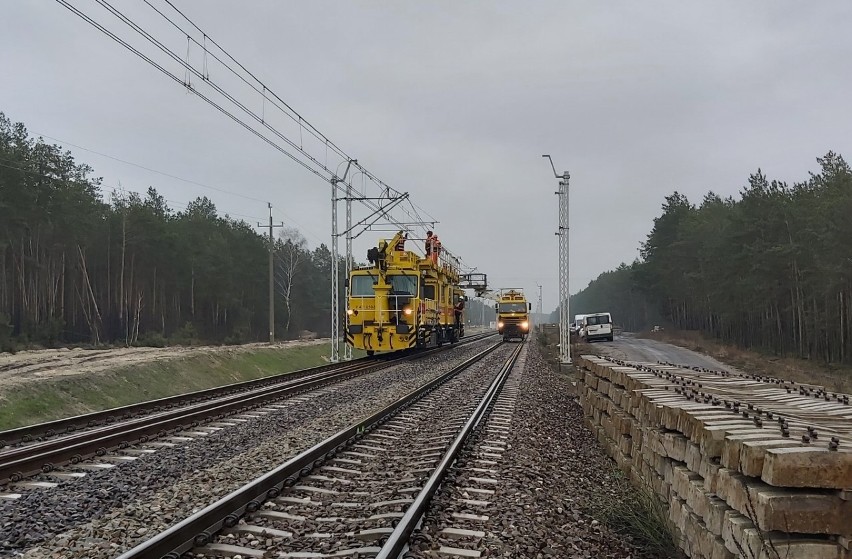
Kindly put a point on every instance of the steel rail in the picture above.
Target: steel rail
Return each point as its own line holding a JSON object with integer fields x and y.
{"x": 199, "y": 529}
{"x": 30, "y": 433}
{"x": 19, "y": 463}
{"x": 397, "y": 542}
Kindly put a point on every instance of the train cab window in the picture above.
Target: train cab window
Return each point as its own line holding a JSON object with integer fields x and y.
{"x": 429, "y": 292}
{"x": 403, "y": 285}
{"x": 361, "y": 286}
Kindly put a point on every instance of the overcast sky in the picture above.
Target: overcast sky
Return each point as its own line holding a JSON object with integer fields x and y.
{"x": 455, "y": 103}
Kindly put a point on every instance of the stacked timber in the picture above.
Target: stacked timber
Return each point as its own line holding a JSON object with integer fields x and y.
{"x": 749, "y": 466}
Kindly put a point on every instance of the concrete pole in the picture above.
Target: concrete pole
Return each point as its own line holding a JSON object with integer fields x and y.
{"x": 271, "y": 275}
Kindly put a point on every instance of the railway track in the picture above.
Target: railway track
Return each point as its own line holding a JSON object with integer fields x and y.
{"x": 458, "y": 525}
{"x": 362, "y": 491}
{"x": 40, "y": 449}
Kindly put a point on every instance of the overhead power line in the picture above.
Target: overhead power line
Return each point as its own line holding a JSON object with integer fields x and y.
{"x": 257, "y": 123}
{"x": 265, "y": 92}
{"x": 262, "y": 89}
{"x": 149, "y": 169}
{"x": 313, "y": 164}
{"x": 176, "y": 204}
{"x": 185, "y": 84}
{"x": 188, "y": 181}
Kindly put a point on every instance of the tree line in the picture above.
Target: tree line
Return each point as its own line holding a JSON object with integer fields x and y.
{"x": 770, "y": 269}
{"x": 618, "y": 293}
{"x": 79, "y": 267}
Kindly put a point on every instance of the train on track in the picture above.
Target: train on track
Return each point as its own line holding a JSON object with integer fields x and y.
{"x": 513, "y": 319}
{"x": 401, "y": 300}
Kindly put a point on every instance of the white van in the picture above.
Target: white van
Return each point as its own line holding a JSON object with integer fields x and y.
{"x": 596, "y": 326}
{"x": 578, "y": 322}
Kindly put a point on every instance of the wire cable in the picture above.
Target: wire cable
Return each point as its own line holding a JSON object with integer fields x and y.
{"x": 313, "y": 165}
{"x": 115, "y": 189}
{"x": 180, "y": 81}
{"x": 290, "y": 112}
{"x": 188, "y": 181}
{"x": 143, "y": 167}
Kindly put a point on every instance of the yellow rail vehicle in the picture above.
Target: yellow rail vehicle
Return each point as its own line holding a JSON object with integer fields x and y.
{"x": 402, "y": 301}
{"x": 513, "y": 319}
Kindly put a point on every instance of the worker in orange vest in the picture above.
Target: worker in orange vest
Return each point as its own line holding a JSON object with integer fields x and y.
{"x": 459, "y": 309}
{"x": 436, "y": 249}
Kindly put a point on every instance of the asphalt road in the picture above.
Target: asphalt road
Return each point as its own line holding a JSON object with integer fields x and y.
{"x": 630, "y": 348}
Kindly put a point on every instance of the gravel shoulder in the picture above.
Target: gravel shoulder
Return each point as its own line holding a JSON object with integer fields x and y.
{"x": 551, "y": 476}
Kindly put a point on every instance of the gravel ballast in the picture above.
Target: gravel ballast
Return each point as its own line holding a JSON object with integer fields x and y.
{"x": 550, "y": 476}
{"x": 112, "y": 510}
{"x": 349, "y": 504}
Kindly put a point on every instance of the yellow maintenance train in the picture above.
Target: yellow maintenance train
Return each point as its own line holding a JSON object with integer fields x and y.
{"x": 402, "y": 300}
{"x": 513, "y": 319}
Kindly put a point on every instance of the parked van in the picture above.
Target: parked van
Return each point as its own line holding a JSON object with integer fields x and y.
{"x": 596, "y": 326}
{"x": 574, "y": 328}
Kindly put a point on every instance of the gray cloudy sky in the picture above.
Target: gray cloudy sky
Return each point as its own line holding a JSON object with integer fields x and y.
{"x": 455, "y": 103}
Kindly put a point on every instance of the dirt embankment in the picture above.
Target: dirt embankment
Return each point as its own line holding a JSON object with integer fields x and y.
{"x": 51, "y": 364}
{"x": 51, "y": 385}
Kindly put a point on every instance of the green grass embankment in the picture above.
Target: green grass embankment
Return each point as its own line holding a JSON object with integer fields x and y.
{"x": 48, "y": 399}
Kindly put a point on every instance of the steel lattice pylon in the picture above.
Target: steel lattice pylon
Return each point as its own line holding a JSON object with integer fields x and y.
{"x": 347, "y": 349}
{"x": 564, "y": 291}
{"x": 539, "y": 321}
{"x": 335, "y": 275}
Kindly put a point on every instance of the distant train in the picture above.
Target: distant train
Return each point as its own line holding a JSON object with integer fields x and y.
{"x": 402, "y": 301}
{"x": 513, "y": 319}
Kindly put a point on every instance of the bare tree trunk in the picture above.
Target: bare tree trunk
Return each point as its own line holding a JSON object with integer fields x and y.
{"x": 22, "y": 281}
{"x": 137, "y": 317}
{"x": 154, "y": 297}
{"x": 130, "y": 288}
{"x": 121, "y": 322}
{"x": 289, "y": 265}
{"x": 842, "y": 326}
{"x": 192, "y": 293}
{"x": 62, "y": 290}
{"x": 4, "y": 283}
{"x": 109, "y": 269}
{"x": 95, "y": 320}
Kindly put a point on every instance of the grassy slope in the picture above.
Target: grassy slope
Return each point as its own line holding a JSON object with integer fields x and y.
{"x": 66, "y": 396}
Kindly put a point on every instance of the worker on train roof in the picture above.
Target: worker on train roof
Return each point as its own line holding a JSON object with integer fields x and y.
{"x": 436, "y": 248}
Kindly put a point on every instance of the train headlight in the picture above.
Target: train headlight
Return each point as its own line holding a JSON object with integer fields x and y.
{"x": 407, "y": 311}
{"x": 500, "y": 324}
{"x": 525, "y": 325}
{"x": 350, "y": 312}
